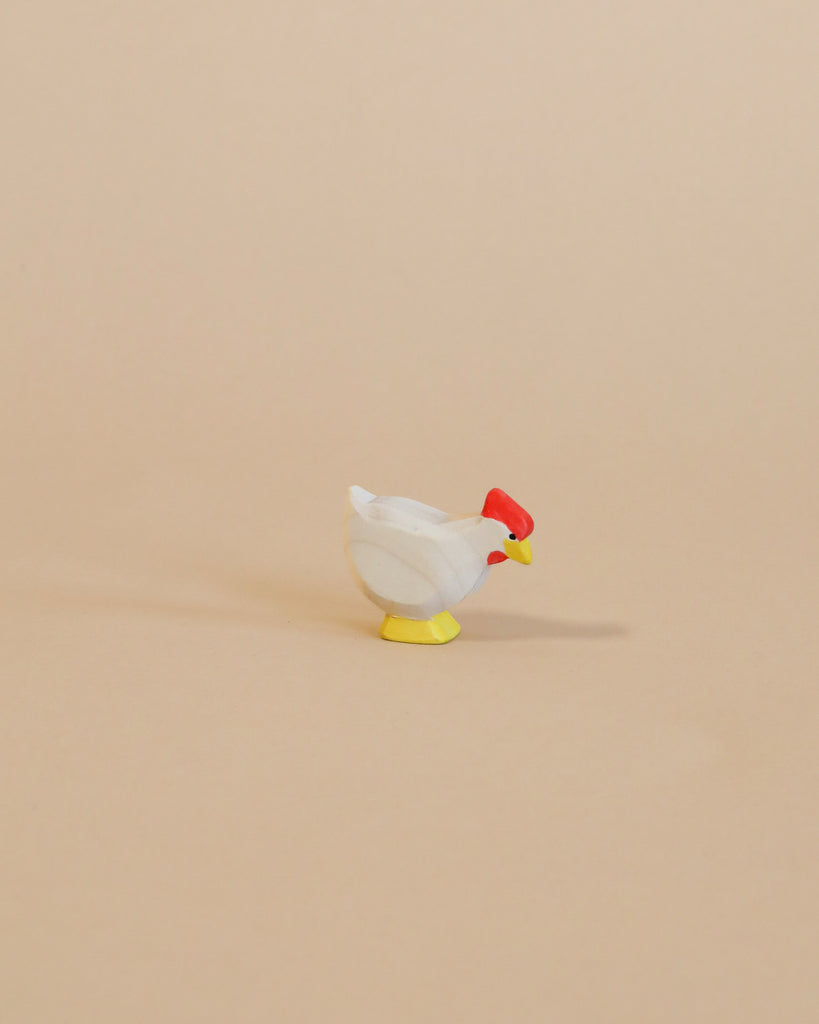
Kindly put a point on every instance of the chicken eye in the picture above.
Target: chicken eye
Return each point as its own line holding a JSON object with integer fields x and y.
{"x": 512, "y": 536}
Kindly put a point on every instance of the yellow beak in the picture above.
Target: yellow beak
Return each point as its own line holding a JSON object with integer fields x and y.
{"x": 520, "y": 550}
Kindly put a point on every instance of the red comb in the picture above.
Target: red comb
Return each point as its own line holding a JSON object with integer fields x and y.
{"x": 500, "y": 506}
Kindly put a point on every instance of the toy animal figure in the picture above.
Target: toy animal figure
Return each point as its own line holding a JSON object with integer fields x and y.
{"x": 415, "y": 561}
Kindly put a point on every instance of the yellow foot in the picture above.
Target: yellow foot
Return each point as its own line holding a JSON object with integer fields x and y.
{"x": 440, "y": 629}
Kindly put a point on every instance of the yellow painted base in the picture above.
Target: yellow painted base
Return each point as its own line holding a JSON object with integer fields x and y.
{"x": 440, "y": 629}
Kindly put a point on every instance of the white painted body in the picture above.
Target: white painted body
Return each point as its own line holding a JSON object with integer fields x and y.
{"x": 413, "y": 560}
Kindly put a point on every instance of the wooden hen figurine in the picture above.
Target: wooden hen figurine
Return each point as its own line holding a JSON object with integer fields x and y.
{"x": 415, "y": 561}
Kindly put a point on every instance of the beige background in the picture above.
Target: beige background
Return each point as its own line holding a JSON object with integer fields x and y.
{"x": 253, "y": 253}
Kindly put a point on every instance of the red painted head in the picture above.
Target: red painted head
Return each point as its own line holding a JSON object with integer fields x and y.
{"x": 500, "y": 506}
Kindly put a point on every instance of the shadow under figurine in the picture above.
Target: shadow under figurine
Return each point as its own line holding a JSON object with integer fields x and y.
{"x": 415, "y": 561}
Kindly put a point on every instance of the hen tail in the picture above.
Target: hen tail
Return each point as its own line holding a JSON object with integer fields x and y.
{"x": 359, "y": 497}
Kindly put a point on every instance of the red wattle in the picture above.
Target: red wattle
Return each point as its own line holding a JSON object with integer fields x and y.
{"x": 495, "y": 557}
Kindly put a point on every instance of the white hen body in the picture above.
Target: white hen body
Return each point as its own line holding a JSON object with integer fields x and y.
{"x": 413, "y": 560}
